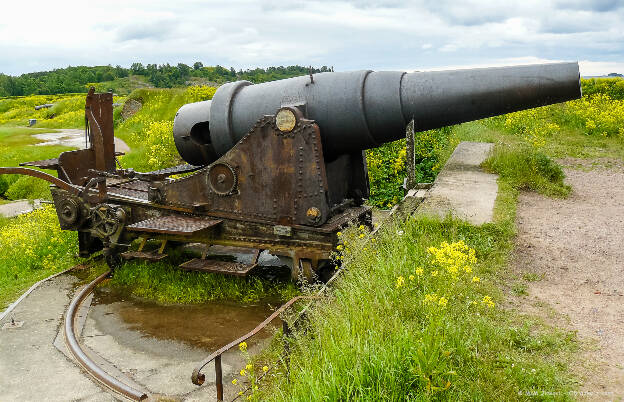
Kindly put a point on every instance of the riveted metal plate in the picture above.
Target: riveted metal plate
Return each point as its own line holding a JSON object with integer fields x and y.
{"x": 175, "y": 225}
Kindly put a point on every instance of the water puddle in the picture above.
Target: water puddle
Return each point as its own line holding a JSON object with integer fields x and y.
{"x": 74, "y": 138}
{"x": 208, "y": 326}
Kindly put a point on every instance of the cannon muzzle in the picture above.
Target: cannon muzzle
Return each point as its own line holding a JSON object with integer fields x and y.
{"x": 364, "y": 109}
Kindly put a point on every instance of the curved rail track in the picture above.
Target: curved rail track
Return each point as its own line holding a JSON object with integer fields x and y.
{"x": 81, "y": 357}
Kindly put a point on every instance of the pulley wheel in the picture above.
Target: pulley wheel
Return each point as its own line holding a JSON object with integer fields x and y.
{"x": 68, "y": 211}
{"x": 222, "y": 178}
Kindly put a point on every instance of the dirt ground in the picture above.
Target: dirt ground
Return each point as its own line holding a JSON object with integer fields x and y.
{"x": 575, "y": 248}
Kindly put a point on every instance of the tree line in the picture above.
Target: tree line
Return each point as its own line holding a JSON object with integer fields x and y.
{"x": 76, "y": 79}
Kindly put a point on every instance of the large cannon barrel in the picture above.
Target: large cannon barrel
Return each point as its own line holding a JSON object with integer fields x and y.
{"x": 364, "y": 109}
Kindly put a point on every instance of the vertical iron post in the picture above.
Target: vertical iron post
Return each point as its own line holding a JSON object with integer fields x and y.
{"x": 219, "y": 378}
{"x": 409, "y": 156}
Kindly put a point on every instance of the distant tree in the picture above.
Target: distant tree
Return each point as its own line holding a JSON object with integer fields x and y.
{"x": 198, "y": 65}
{"x": 137, "y": 68}
{"x": 185, "y": 70}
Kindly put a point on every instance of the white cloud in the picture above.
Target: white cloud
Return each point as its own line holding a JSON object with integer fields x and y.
{"x": 357, "y": 34}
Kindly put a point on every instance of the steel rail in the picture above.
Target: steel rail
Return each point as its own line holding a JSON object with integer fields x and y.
{"x": 76, "y": 350}
{"x": 198, "y": 378}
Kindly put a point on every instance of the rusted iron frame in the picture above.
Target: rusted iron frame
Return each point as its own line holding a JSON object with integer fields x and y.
{"x": 76, "y": 350}
{"x": 41, "y": 175}
{"x": 198, "y": 378}
{"x": 98, "y": 145}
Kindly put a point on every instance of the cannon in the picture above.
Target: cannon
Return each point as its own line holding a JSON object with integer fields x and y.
{"x": 277, "y": 166}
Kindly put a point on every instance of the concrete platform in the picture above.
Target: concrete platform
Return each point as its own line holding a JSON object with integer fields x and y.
{"x": 15, "y": 208}
{"x": 35, "y": 364}
{"x": 31, "y": 368}
{"x": 462, "y": 188}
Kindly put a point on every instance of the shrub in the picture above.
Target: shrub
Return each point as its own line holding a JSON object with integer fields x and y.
{"x": 527, "y": 169}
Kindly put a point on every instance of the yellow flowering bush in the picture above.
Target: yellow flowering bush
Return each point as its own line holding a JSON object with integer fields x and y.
{"x": 599, "y": 114}
{"x": 35, "y": 241}
{"x": 450, "y": 270}
{"x": 532, "y": 125}
{"x": 199, "y": 93}
{"x": 161, "y": 151}
{"x": 387, "y": 165}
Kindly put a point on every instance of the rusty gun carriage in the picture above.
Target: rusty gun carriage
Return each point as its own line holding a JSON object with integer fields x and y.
{"x": 278, "y": 166}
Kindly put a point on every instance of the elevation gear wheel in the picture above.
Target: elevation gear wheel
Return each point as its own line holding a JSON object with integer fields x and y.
{"x": 106, "y": 219}
{"x": 222, "y": 178}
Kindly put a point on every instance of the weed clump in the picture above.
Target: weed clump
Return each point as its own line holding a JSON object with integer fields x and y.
{"x": 164, "y": 283}
{"x": 527, "y": 169}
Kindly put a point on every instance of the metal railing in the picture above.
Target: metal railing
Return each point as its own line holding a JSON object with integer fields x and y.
{"x": 198, "y": 378}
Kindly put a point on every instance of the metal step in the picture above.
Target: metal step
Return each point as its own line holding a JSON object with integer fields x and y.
{"x": 216, "y": 266}
{"x": 143, "y": 255}
{"x": 174, "y": 225}
{"x": 50, "y": 164}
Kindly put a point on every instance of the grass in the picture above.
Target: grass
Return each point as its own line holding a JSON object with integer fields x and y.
{"x": 67, "y": 112}
{"x": 528, "y": 170}
{"x": 149, "y": 132}
{"x": 378, "y": 338}
{"x": 17, "y": 145}
{"x": 165, "y": 283}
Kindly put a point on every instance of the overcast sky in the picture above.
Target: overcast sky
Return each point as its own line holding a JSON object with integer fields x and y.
{"x": 349, "y": 35}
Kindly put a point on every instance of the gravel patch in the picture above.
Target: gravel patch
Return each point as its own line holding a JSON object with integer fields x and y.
{"x": 575, "y": 244}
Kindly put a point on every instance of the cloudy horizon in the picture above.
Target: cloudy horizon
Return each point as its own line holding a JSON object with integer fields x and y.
{"x": 348, "y": 35}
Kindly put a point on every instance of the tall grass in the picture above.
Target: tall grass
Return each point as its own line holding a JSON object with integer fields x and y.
{"x": 165, "y": 283}
{"x": 416, "y": 318}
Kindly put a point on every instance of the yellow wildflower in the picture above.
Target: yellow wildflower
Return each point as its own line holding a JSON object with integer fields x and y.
{"x": 234, "y": 381}
{"x": 361, "y": 235}
{"x": 249, "y": 366}
{"x": 487, "y": 300}
{"x": 339, "y": 247}
{"x": 411, "y": 277}
{"x": 339, "y": 234}
{"x": 265, "y": 368}
{"x": 443, "y": 301}
{"x": 431, "y": 298}
{"x": 400, "y": 282}
{"x": 419, "y": 271}
{"x": 243, "y": 372}
{"x": 434, "y": 273}
{"x": 361, "y": 227}
{"x": 475, "y": 279}
{"x": 242, "y": 346}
